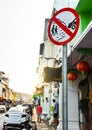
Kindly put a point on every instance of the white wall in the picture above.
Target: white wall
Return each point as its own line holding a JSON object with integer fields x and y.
{"x": 58, "y": 4}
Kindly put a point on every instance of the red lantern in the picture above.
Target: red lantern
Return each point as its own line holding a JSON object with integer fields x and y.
{"x": 83, "y": 67}
{"x": 72, "y": 76}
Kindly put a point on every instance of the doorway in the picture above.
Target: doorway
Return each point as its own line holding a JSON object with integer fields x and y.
{"x": 85, "y": 96}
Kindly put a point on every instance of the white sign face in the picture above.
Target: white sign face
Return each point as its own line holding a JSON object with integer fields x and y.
{"x": 63, "y": 26}
{"x": 60, "y": 34}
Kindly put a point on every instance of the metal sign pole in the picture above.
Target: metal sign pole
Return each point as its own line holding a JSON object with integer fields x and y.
{"x": 64, "y": 89}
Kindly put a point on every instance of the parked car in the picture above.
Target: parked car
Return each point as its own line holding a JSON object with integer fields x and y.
{"x": 30, "y": 108}
{"x": 2, "y": 108}
{"x": 15, "y": 118}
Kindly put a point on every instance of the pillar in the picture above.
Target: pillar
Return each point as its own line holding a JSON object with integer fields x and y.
{"x": 73, "y": 110}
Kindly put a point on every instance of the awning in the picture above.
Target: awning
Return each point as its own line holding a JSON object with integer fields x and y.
{"x": 52, "y": 74}
{"x": 83, "y": 48}
{"x": 84, "y": 6}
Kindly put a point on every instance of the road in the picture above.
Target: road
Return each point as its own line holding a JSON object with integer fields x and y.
{"x": 1, "y": 120}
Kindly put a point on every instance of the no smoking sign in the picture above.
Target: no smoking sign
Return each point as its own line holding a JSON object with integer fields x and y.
{"x": 63, "y": 26}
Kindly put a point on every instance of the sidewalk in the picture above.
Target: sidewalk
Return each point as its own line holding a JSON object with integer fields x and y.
{"x": 44, "y": 123}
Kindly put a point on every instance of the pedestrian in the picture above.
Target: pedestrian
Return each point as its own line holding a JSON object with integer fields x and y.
{"x": 39, "y": 112}
{"x": 56, "y": 111}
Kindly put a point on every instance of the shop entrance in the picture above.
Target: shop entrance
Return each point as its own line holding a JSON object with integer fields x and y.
{"x": 85, "y": 104}
{"x": 90, "y": 102}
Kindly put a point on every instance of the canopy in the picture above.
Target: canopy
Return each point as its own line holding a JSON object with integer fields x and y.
{"x": 84, "y": 6}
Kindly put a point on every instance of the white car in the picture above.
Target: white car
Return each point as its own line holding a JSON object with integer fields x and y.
{"x": 15, "y": 118}
{"x": 2, "y": 108}
{"x": 24, "y": 109}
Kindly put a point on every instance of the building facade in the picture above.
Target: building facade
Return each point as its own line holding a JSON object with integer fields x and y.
{"x": 79, "y": 49}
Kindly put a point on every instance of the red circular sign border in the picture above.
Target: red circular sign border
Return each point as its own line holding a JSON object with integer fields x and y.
{"x": 77, "y": 26}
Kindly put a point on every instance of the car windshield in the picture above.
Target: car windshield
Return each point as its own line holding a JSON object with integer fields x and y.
{"x": 14, "y": 111}
{"x": 26, "y": 105}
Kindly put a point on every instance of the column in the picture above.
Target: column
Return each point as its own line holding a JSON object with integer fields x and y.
{"x": 73, "y": 111}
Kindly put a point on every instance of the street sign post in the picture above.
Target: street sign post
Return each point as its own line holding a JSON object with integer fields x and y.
{"x": 62, "y": 29}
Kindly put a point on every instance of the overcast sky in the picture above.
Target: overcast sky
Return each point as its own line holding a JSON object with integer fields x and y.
{"x": 21, "y": 32}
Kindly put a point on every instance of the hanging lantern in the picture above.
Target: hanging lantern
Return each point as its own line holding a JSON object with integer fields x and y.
{"x": 83, "y": 67}
{"x": 72, "y": 76}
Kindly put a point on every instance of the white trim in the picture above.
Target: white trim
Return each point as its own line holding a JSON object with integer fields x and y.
{"x": 88, "y": 28}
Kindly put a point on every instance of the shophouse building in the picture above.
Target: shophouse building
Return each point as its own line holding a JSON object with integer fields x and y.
{"x": 79, "y": 51}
